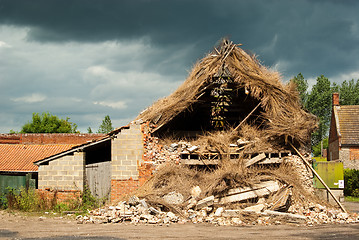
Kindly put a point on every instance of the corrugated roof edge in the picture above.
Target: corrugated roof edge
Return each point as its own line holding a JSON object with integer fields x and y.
{"x": 82, "y": 146}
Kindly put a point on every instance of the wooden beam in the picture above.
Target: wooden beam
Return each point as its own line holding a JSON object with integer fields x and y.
{"x": 319, "y": 178}
{"x": 247, "y": 117}
{"x": 254, "y": 160}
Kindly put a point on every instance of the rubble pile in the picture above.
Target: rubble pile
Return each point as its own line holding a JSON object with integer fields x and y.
{"x": 235, "y": 192}
{"x": 137, "y": 211}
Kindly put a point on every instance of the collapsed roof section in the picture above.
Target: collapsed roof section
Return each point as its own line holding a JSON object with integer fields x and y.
{"x": 226, "y": 88}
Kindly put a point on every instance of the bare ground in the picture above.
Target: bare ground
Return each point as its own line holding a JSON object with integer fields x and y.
{"x": 14, "y": 226}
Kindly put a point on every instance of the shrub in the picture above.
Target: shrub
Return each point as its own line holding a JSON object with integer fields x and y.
{"x": 351, "y": 181}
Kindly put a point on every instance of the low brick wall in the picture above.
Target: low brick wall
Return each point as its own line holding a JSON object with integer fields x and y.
{"x": 59, "y": 196}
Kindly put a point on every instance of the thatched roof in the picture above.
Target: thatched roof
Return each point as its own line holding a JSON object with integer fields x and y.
{"x": 281, "y": 110}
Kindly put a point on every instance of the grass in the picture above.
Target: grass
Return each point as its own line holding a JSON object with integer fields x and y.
{"x": 351, "y": 199}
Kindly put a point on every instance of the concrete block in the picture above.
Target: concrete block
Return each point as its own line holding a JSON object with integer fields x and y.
{"x": 126, "y": 173}
{"x": 47, "y": 177}
{"x": 126, "y": 163}
{"x": 58, "y": 168}
{"x": 67, "y": 168}
{"x": 65, "y": 162}
{"x": 54, "y": 163}
{"x": 121, "y": 168}
{"x": 131, "y": 168}
{"x": 52, "y": 183}
{"x": 58, "y": 178}
{"x": 53, "y": 173}
{"x": 122, "y": 157}
{"x": 67, "y": 178}
{"x": 78, "y": 168}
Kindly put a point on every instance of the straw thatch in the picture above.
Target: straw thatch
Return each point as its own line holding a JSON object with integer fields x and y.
{"x": 281, "y": 110}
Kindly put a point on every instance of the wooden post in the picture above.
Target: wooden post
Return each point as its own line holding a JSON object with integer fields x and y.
{"x": 319, "y": 178}
{"x": 247, "y": 117}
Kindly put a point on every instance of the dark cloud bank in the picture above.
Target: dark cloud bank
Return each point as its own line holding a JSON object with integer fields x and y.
{"x": 312, "y": 37}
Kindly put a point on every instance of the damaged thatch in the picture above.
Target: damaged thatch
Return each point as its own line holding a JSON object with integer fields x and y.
{"x": 280, "y": 114}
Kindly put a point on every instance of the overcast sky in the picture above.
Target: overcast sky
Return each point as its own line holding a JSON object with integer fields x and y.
{"x": 85, "y": 59}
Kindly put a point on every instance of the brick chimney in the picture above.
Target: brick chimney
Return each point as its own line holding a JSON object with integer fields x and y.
{"x": 335, "y": 101}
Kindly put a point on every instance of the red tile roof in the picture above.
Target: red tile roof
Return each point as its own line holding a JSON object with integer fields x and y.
{"x": 20, "y": 157}
{"x": 348, "y": 129}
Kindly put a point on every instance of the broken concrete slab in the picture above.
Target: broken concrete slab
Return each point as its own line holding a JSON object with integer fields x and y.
{"x": 282, "y": 214}
{"x": 241, "y": 194}
{"x": 256, "y": 208}
{"x": 206, "y": 202}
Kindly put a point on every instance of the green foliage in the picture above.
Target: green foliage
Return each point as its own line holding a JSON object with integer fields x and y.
{"x": 29, "y": 200}
{"x": 48, "y": 123}
{"x": 89, "y": 130}
{"x": 22, "y": 199}
{"x": 351, "y": 182}
{"x": 349, "y": 92}
{"x": 302, "y": 87}
{"x": 106, "y": 125}
{"x": 317, "y": 149}
{"x": 351, "y": 199}
{"x": 320, "y": 104}
{"x": 89, "y": 201}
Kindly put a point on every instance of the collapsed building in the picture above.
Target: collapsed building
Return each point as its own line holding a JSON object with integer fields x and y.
{"x": 225, "y": 138}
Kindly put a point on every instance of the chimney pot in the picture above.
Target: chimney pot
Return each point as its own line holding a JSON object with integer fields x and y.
{"x": 335, "y": 99}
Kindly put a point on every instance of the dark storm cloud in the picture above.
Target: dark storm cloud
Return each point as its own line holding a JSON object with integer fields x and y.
{"x": 89, "y": 58}
{"x": 313, "y": 36}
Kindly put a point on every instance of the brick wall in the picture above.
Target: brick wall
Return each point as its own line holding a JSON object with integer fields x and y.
{"x": 65, "y": 173}
{"x": 130, "y": 169}
{"x": 49, "y": 138}
{"x": 120, "y": 188}
{"x": 333, "y": 150}
{"x": 59, "y": 196}
{"x": 349, "y": 157}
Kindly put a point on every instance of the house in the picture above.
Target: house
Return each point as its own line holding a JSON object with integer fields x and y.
{"x": 228, "y": 93}
{"x": 18, "y": 152}
{"x": 344, "y": 134}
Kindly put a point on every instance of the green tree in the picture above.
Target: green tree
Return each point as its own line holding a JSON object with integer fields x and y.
{"x": 349, "y": 92}
{"x": 106, "y": 125}
{"x": 320, "y": 103}
{"x": 302, "y": 87}
{"x": 89, "y": 130}
{"x": 48, "y": 123}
